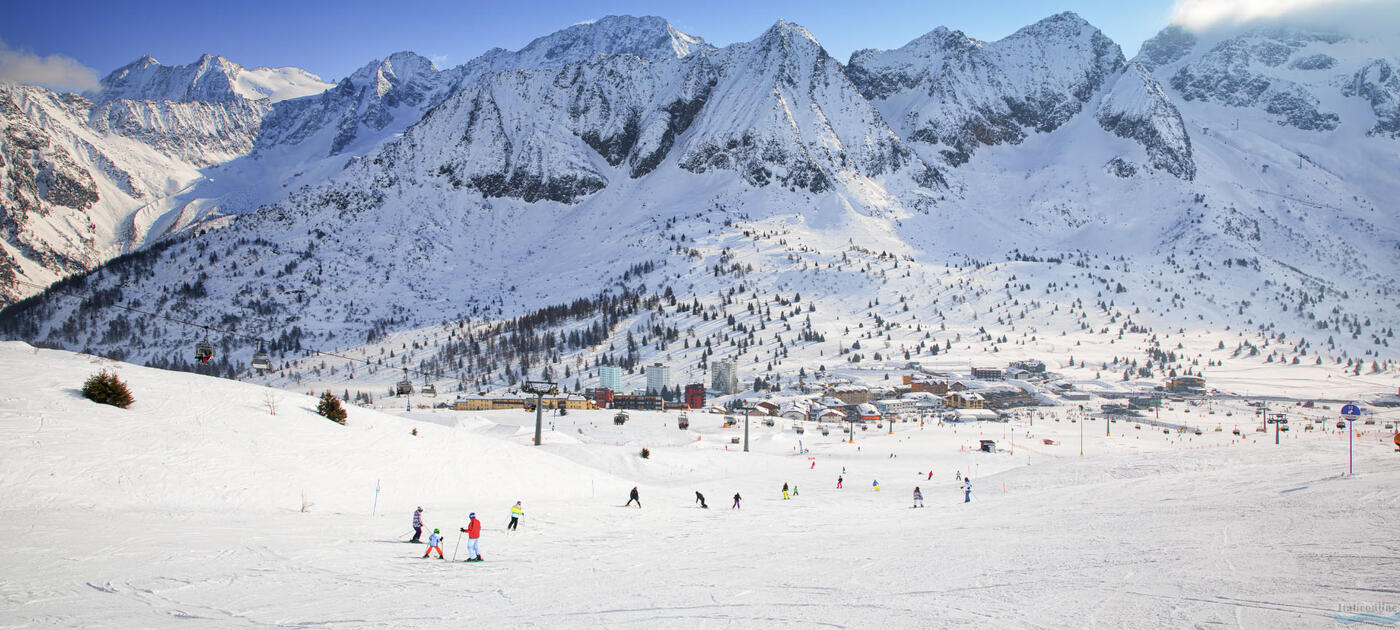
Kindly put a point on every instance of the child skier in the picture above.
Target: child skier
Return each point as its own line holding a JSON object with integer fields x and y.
{"x": 515, "y": 513}
{"x": 700, "y": 498}
{"x": 473, "y": 532}
{"x": 876, "y": 485}
{"x": 785, "y": 491}
{"x": 737, "y": 498}
{"x": 967, "y": 489}
{"x": 918, "y": 498}
{"x": 435, "y": 542}
{"x": 417, "y": 525}
{"x": 634, "y": 497}
{"x": 839, "y": 479}
{"x": 794, "y": 489}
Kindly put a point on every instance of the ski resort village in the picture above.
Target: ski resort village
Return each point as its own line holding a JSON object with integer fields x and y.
{"x": 609, "y": 324}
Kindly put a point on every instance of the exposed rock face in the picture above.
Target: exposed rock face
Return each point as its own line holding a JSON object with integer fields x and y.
{"x": 1242, "y": 72}
{"x": 1138, "y": 108}
{"x": 956, "y": 93}
{"x": 1379, "y": 83}
{"x": 44, "y": 184}
{"x": 777, "y": 110}
{"x": 201, "y": 133}
{"x": 1167, "y": 47}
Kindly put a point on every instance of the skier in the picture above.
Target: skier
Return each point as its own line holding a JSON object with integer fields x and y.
{"x": 839, "y": 479}
{"x": 700, "y": 498}
{"x": 473, "y": 531}
{"x": 876, "y": 484}
{"x": 918, "y": 497}
{"x": 737, "y": 498}
{"x": 958, "y": 476}
{"x": 417, "y": 525}
{"x": 634, "y": 497}
{"x": 967, "y": 489}
{"x": 435, "y": 542}
{"x": 515, "y": 513}
{"x": 794, "y": 489}
{"x": 930, "y": 474}
{"x": 785, "y": 491}
{"x": 814, "y": 465}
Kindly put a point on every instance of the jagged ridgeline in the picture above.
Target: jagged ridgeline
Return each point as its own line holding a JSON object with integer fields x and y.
{"x": 623, "y": 154}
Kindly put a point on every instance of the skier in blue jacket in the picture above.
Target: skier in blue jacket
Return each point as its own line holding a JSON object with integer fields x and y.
{"x": 435, "y": 542}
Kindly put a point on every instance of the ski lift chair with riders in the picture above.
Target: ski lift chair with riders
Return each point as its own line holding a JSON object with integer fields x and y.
{"x": 204, "y": 351}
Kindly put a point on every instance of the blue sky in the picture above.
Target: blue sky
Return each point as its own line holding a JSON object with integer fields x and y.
{"x": 333, "y": 39}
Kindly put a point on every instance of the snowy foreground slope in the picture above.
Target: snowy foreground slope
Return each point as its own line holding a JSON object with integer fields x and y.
{"x": 188, "y": 508}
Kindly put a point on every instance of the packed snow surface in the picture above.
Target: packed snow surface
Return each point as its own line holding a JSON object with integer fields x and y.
{"x": 199, "y": 504}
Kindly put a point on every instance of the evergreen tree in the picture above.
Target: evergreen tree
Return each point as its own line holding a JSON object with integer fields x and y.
{"x": 330, "y": 408}
{"x": 105, "y": 388}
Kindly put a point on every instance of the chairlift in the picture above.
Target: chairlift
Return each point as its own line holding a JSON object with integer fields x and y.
{"x": 404, "y": 387}
{"x": 430, "y": 390}
{"x": 620, "y": 418}
{"x": 203, "y": 351}
{"x": 260, "y": 360}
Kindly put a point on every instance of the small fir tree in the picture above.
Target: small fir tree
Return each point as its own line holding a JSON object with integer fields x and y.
{"x": 105, "y": 388}
{"x": 330, "y": 407}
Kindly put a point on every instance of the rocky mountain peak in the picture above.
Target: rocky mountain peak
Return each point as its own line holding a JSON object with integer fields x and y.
{"x": 210, "y": 78}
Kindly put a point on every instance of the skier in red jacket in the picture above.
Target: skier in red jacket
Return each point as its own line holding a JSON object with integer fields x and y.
{"x": 473, "y": 531}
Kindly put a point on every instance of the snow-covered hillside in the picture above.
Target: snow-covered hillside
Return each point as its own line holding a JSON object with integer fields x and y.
{"x": 200, "y": 502}
{"x": 677, "y": 206}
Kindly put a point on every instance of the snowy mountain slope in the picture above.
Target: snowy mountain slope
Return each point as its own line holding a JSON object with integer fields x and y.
{"x": 757, "y": 170}
{"x": 307, "y": 141}
{"x": 211, "y": 78}
{"x": 201, "y": 502}
{"x": 213, "y": 111}
{"x": 71, "y": 192}
{"x": 1136, "y": 107}
{"x": 776, "y": 110}
{"x": 950, "y": 94}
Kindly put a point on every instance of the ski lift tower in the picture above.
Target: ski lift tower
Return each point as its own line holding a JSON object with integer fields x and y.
{"x": 539, "y": 389}
{"x": 746, "y": 408}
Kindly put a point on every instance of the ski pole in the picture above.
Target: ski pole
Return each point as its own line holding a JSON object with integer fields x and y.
{"x": 454, "y": 548}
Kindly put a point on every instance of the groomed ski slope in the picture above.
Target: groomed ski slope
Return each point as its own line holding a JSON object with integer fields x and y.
{"x": 185, "y": 511}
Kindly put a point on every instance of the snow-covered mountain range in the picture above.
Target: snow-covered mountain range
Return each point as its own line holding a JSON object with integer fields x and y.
{"x": 1230, "y": 179}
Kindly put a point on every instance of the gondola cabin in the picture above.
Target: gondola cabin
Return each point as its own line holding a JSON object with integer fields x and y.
{"x": 261, "y": 362}
{"x": 203, "y": 351}
{"x": 404, "y": 388}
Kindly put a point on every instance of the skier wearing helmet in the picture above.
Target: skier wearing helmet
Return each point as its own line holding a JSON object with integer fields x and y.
{"x": 473, "y": 531}
{"x": 435, "y": 542}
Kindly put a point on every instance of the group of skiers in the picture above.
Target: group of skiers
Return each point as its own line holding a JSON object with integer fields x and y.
{"x": 472, "y": 530}
{"x": 517, "y": 511}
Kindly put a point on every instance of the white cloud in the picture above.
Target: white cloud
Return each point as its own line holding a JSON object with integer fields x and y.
{"x": 52, "y": 71}
{"x": 1203, "y": 14}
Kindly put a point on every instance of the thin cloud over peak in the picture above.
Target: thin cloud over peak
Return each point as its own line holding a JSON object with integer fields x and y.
{"x": 57, "y": 72}
{"x": 1201, "y": 15}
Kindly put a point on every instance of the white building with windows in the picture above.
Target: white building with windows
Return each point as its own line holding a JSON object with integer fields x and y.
{"x": 724, "y": 377}
{"x": 610, "y": 376}
{"x": 658, "y": 378}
